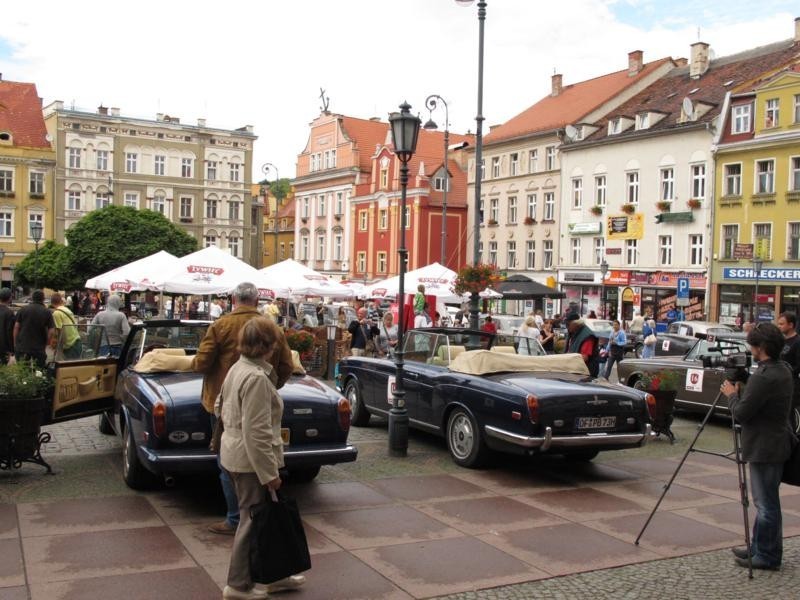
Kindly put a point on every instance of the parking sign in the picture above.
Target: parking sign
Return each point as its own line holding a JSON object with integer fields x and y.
{"x": 683, "y": 291}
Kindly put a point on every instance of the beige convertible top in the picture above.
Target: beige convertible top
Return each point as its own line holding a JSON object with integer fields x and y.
{"x": 484, "y": 362}
{"x": 175, "y": 359}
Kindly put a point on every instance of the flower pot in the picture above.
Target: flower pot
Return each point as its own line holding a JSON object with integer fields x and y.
{"x": 20, "y": 426}
{"x": 665, "y": 406}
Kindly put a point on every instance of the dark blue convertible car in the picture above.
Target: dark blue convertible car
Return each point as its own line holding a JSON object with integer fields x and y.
{"x": 164, "y": 428}
{"x": 493, "y": 398}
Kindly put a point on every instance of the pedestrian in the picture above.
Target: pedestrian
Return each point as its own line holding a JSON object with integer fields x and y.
{"x": 489, "y": 326}
{"x": 527, "y": 332}
{"x": 763, "y": 409}
{"x": 422, "y": 319}
{"x": 33, "y": 328}
{"x": 615, "y": 348}
{"x": 116, "y": 327}
{"x": 790, "y": 354}
{"x": 649, "y": 343}
{"x": 7, "y": 319}
{"x": 581, "y": 340}
{"x": 251, "y": 448}
{"x": 539, "y": 319}
{"x": 361, "y": 332}
{"x": 66, "y": 330}
{"x": 387, "y": 335}
{"x": 419, "y": 299}
{"x": 637, "y": 323}
{"x": 548, "y": 336}
{"x": 215, "y": 311}
{"x": 217, "y": 353}
{"x": 672, "y": 315}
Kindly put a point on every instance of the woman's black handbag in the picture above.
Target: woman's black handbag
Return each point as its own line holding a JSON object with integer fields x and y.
{"x": 278, "y": 546}
{"x": 791, "y": 468}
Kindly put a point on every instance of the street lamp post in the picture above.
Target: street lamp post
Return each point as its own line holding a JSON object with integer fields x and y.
{"x": 476, "y": 232}
{"x": 405, "y": 130}
{"x": 2, "y": 258}
{"x": 266, "y": 168}
{"x": 603, "y": 272}
{"x": 757, "y": 264}
{"x": 432, "y": 102}
{"x": 36, "y": 234}
{"x": 331, "y": 330}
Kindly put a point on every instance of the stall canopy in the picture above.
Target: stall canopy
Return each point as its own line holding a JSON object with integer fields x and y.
{"x": 437, "y": 279}
{"x": 208, "y": 271}
{"x": 520, "y": 287}
{"x": 136, "y": 276}
{"x": 291, "y": 278}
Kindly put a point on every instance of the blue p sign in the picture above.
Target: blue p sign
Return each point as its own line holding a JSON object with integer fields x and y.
{"x": 683, "y": 287}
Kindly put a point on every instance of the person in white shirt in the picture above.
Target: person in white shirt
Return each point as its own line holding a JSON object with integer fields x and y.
{"x": 215, "y": 312}
{"x": 538, "y": 319}
{"x": 528, "y": 331}
{"x": 422, "y": 319}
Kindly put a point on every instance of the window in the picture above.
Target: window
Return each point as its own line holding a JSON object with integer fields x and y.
{"x": 772, "y": 113}
{"x": 131, "y": 199}
{"x": 733, "y": 180}
{"x": 632, "y": 252}
{"x": 159, "y": 203}
{"x": 514, "y": 164}
{"x": 314, "y": 162}
{"x": 483, "y": 169}
{"x": 35, "y": 217}
{"x": 234, "y": 210}
{"x": 281, "y": 250}
{"x": 632, "y": 180}
{"x": 665, "y": 250}
{"x": 326, "y": 156}
{"x": 643, "y": 121}
{"x": 384, "y": 177}
{"x": 321, "y": 205}
{"x": 291, "y": 249}
{"x": 439, "y": 181}
{"x": 730, "y": 236}
{"x": 407, "y": 218}
{"x": 383, "y": 218}
{"x": 480, "y": 251}
{"x": 236, "y": 170}
{"x": 492, "y": 253}
{"x": 668, "y": 184}
{"x": 577, "y": 192}
{"x": 210, "y": 240}
{"x": 211, "y": 209}
{"x": 533, "y": 160}
{"x": 796, "y": 108}
{"x": 73, "y": 200}
{"x": 305, "y": 208}
{"x": 549, "y": 206}
{"x": 74, "y": 158}
{"x": 548, "y": 254}
{"x": 599, "y": 250}
{"x": 6, "y": 180}
{"x": 793, "y": 239}
{"x": 740, "y": 123}
{"x": 102, "y": 160}
{"x": 511, "y": 254}
{"x": 765, "y": 177}
{"x": 382, "y": 263}
{"x": 333, "y": 159}
{"x": 337, "y": 246}
{"x": 614, "y": 126}
{"x": 186, "y": 167}
{"x": 234, "y": 245}
{"x": 186, "y": 207}
{"x": 530, "y": 255}
{"x": 512, "y": 210}
{"x": 320, "y": 255}
{"x": 531, "y": 208}
{"x": 211, "y": 170}
{"x": 6, "y": 224}
{"x": 101, "y": 200}
{"x": 362, "y": 220}
{"x": 600, "y": 190}
{"x": 575, "y": 250}
{"x": 495, "y": 167}
{"x": 699, "y": 182}
{"x": 696, "y": 250}
{"x": 794, "y": 174}
{"x": 480, "y": 211}
{"x": 361, "y": 262}
{"x": 339, "y": 203}
{"x": 762, "y": 241}
{"x": 494, "y": 210}
{"x": 131, "y": 162}
{"x": 550, "y": 158}
{"x": 160, "y": 164}
{"x": 36, "y": 183}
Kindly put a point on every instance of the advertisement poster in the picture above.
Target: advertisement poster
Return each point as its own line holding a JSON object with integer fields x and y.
{"x": 625, "y": 227}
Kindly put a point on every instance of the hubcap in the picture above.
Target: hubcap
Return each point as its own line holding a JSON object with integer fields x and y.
{"x": 462, "y": 437}
{"x": 126, "y": 452}
{"x": 352, "y": 398}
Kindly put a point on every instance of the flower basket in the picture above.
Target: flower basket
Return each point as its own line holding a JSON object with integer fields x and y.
{"x": 628, "y": 209}
{"x": 302, "y": 341}
{"x": 529, "y": 221}
{"x": 694, "y": 203}
{"x": 475, "y": 279}
{"x": 663, "y": 385}
{"x": 596, "y": 210}
{"x": 492, "y": 222}
{"x": 664, "y": 205}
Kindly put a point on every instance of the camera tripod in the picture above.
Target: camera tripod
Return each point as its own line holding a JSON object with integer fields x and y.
{"x": 735, "y": 456}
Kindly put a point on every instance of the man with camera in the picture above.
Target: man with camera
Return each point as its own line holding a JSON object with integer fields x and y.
{"x": 762, "y": 407}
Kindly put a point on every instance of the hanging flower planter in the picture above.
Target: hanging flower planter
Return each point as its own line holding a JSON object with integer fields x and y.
{"x": 664, "y": 205}
{"x": 596, "y": 210}
{"x": 694, "y": 203}
{"x": 475, "y": 279}
{"x": 628, "y": 209}
{"x": 529, "y": 221}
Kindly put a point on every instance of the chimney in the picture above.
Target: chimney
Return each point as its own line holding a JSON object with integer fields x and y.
{"x": 556, "y": 84}
{"x": 698, "y": 63}
{"x": 102, "y": 110}
{"x": 635, "y": 62}
{"x": 797, "y": 29}
{"x": 114, "y": 111}
{"x": 201, "y": 122}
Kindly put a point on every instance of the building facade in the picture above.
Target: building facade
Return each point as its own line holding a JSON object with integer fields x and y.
{"x": 277, "y": 225}
{"x": 196, "y": 176}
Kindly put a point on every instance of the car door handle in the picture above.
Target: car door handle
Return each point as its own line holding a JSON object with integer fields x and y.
{"x": 412, "y": 375}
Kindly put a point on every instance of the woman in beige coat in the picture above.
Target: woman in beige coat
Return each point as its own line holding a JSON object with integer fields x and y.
{"x": 251, "y": 449}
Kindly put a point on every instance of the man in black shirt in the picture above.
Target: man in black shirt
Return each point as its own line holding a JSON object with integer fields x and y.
{"x": 7, "y": 319}
{"x": 34, "y": 327}
{"x": 787, "y": 323}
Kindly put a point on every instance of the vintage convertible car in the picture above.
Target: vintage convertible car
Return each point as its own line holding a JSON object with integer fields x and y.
{"x": 165, "y": 429}
{"x": 490, "y": 398}
{"x": 681, "y": 336}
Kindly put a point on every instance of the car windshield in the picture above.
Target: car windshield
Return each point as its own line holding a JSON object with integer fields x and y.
{"x": 439, "y": 347}
{"x": 717, "y": 348}
{"x": 508, "y": 324}
{"x": 185, "y": 336}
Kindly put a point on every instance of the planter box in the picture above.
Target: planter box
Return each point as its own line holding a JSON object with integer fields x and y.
{"x": 665, "y": 406}
{"x": 20, "y": 425}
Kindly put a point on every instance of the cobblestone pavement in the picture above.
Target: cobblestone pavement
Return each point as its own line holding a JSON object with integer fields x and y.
{"x": 78, "y": 437}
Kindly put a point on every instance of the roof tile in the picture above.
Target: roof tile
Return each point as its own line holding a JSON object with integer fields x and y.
{"x": 21, "y": 114}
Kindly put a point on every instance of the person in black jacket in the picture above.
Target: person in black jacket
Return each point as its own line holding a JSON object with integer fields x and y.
{"x": 7, "y": 318}
{"x": 762, "y": 408}
{"x": 361, "y": 331}
{"x": 787, "y": 323}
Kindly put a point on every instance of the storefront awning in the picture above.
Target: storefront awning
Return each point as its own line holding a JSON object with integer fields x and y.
{"x": 520, "y": 287}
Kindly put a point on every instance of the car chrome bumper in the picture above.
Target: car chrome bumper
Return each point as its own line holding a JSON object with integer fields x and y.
{"x": 548, "y": 441}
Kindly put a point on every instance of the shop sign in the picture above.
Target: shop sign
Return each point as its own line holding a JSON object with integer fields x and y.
{"x": 628, "y": 295}
{"x": 579, "y": 277}
{"x": 613, "y": 251}
{"x": 615, "y": 277}
{"x": 625, "y": 227}
{"x": 584, "y": 228}
{"x": 639, "y": 278}
{"x": 664, "y": 279}
{"x": 748, "y": 273}
{"x": 743, "y": 251}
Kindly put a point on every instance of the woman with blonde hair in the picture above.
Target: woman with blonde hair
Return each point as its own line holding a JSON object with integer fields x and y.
{"x": 528, "y": 331}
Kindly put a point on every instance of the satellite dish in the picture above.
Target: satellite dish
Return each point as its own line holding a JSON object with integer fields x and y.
{"x": 688, "y": 108}
{"x": 571, "y": 132}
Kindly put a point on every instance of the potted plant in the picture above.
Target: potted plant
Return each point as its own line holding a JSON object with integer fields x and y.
{"x": 664, "y": 205}
{"x": 663, "y": 385}
{"x": 596, "y": 210}
{"x": 694, "y": 203}
{"x": 475, "y": 279}
{"x": 529, "y": 221}
{"x": 300, "y": 340}
{"x": 492, "y": 222}
{"x": 628, "y": 208}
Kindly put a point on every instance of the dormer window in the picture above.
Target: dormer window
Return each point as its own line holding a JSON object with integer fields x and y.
{"x": 5, "y": 137}
{"x": 614, "y": 126}
{"x": 642, "y": 121}
{"x": 740, "y": 118}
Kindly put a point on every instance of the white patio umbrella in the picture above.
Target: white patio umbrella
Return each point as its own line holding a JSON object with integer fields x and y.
{"x": 206, "y": 272}
{"x": 291, "y": 278}
{"x": 437, "y": 279}
{"x": 136, "y": 276}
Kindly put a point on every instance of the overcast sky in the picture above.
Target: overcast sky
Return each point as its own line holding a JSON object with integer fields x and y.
{"x": 262, "y": 63}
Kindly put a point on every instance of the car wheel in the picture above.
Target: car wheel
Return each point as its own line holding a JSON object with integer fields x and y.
{"x": 303, "y": 475}
{"x": 104, "y": 424}
{"x": 359, "y": 415}
{"x": 796, "y": 420}
{"x": 133, "y": 472}
{"x": 464, "y": 440}
{"x": 582, "y": 456}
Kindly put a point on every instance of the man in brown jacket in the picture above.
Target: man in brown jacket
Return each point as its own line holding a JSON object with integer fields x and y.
{"x": 216, "y": 355}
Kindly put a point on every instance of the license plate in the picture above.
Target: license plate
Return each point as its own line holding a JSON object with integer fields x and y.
{"x": 285, "y": 435}
{"x": 595, "y": 422}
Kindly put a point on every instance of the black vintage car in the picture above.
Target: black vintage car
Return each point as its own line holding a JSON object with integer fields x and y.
{"x": 491, "y": 398}
{"x": 681, "y": 336}
{"x": 164, "y": 428}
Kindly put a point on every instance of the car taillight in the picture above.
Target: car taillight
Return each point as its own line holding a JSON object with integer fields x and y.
{"x": 533, "y": 407}
{"x": 651, "y": 405}
{"x": 344, "y": 414}
{"x": 159, "y": 418}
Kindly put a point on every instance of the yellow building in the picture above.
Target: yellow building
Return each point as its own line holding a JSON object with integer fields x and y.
{"x": 27, "y": 162}
{"x": 757, "y": 211}
{"x": 277, "y": 227}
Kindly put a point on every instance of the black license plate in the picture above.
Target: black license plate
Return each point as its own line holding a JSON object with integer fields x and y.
{"x": 595, "y": 422}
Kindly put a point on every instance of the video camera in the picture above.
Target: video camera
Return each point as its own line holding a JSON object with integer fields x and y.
{"x": 736, "y": 365}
